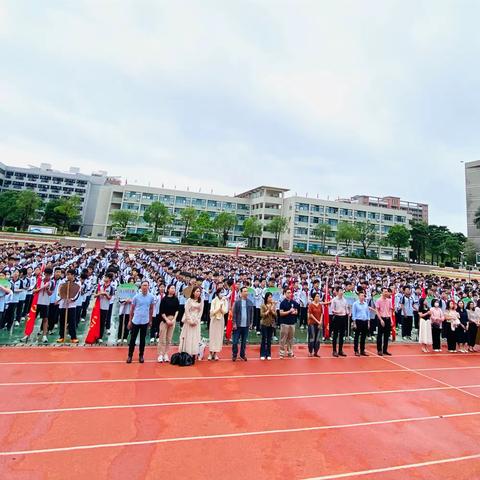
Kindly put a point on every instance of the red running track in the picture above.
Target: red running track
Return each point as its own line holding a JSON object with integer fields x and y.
{"x": 85, "y": 414}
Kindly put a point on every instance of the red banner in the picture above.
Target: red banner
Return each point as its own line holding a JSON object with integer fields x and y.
{"x": 94, "y": 329}
{"x": 326, "y": 314}
{"x": 228, "y": 332}
{"x": 32, "y": 314}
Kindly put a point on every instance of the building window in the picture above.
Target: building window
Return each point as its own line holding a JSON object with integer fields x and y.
{"x": 345, "y": 212}
{"x": 387, "y": 217}
{"x": 316, "y": 208}
{"x": 301, "y": 218}
{"x": 199, "y": 202}
{"x": 302, "y": 207}
{"x": 373, "y": 216}
{"x": 360, "y": 214}
{"x": 213, "y": 204}
{"x": 332, "y": 210}
{"x": 332, "y": 222}
{"x": 399, "y": 219}
{"x": 181, "y": 200}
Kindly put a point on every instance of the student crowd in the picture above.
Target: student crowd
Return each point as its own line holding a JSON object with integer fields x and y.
{"x": 270, "y": 295}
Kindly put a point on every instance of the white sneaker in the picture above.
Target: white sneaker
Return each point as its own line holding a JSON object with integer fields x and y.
{"x": 125, "y": 341}
{"x": 82, "y": 319}
{"x": 152, "y": 340}
{"x": 24, "y": 339}
{"x": 160, "y": 359}
{"x": 108, "y": 332}
{"x": 262, "y": 358}
{"x": 44, "y": 339}
{"x": 119, "y": 341}
{"x": 17, "y": 324}
{"x": 100, "y": 340}
{"x": 165, "y": 358}
{"x": 269, "y": 358}
{"x": 259, "y": 333}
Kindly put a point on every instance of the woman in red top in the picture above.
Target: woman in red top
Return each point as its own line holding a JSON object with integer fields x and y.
{"x": 315, "y": 321}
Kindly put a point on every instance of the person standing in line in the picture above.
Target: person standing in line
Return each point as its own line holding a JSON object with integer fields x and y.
{"x": 105, "y": 293}
{"x": 384, "y": 313}
{"x": 361, "y": 323}
{"x": 124, "y": 318}
{"x": 67, "y": 311}
{"x": 218, "y": 309}
{"x": 141, "y": 313}
{"x": 436, "y": 319}
{"x": 258, "y": 290}
{"x": 473, "y": 322}
{"x": 425, "y": 337}
{"x": 339, "y": 322}
{"x": 407, "y": 310}
{"x": 190, "y": 334}
{"x": 289, "y": 310}
{"x": 157, "y": 315}
{"x": 169, "y": 308}
{"x": 452, "y": 317}
{"x": 268, "y": 315}
{"x": 462, "y": 326}
{"x": 315, "y": 323}
{"x": 242, "y": 321}
{"x": 43, "y": 302}
{"x": 302, "y": 299}
{"x": 4, "y": 293}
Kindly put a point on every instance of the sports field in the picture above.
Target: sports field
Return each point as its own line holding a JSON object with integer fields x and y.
{"x": 84, "y": 413}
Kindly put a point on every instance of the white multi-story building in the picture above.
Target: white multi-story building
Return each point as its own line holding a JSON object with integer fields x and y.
{"x": 472, "y": 193}
{"x": 52, "y": 184}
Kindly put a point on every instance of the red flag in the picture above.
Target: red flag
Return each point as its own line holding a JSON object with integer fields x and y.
{"x": 326, "y": 315}
{"x": 94, "y": 329}
{"x": 32, "y": 314}
{"x": 394, "y": 320}
{"x": 228, "y": 333}
{"x": 424, "y": 293}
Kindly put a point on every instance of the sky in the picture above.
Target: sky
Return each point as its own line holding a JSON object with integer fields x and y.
{"x": 328, "y": 98}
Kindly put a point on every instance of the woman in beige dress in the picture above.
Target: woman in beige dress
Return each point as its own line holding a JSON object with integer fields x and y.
{"x": 217, "y": 323}
{"x": 190, "y": 334}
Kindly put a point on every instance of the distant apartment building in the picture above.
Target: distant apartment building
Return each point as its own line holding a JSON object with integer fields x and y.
{"x": 418, "y": 211}
{"x": 472, "y": 193}
{"x": 52, "y": 184}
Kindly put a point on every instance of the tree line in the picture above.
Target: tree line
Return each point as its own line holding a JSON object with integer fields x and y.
{"x": 19, "y": 209}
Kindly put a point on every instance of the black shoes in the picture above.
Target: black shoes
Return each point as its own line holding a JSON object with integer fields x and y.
{"x": 364, "y": 354}
{"x": 129, "y": 360}
{"x": 335, "y": 354}
{"x": 357, "y": 354}
{"x": 244, "y": 358}
{"x": 234, "y": 359}
{"x": 380, "y": 354}
{"x": 388, "y": 354}
{"x": 341, "y": 354}
{"x": 141, "y": 360}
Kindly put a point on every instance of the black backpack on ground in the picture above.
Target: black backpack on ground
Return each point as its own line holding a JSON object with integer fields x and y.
{"x": 182, "y": 359}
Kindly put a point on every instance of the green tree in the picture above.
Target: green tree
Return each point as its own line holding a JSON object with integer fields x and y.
{"x": 121, "y": 218}
{"x": 252, "y": 228}
{"x": 419, "y": 233}
{"x": 277, "y": 226}
{"x": 69, "y": 211}
{"x": 365, "y": 235}
{"x": 436, "y": 243}
{"x": 157, "y": 214}
{"x": 470, "y": 252}
{"x": 203, "y": 224}
{"x": 346, "y": 233}
{"x": 321, "y": 232}
{"x": 399, "y": 237}
{"x": 188, "y": 216}
{"x": 223, "y": 223}
{"x": 8, "y": 206}
{"x": 50, "y": 216}
{"x": 27, "y": 204}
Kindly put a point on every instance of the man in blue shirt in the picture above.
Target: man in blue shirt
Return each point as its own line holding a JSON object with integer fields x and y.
{"x": 361, "y": 323}
{"x": 242, "y": 321}
{"x": 140, "y": 318}
{"x": 289, "y": 310}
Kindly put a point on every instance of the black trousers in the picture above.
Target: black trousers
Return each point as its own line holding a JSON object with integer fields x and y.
{"x": 240, "y": 334}
{"x": 314, "y": 338}
{"x": 181, "y": 313}
{"x": 123, "y": 326}
{"x": 10, "y": 310}
{"x": 27, "y": 305}
{"x": 266, "y": 343}
{"x": 78, "y": 314}
{"x": 471, "y": 334}
{"x": 436, "y": 337}
{"x": 373, "y": 326}
{"x": 108, "y": 323}
{"x": 451, "y": 337}
{"x": 360, "y": 334}
{"x": 339, "y": 328}
{"x": 71, "y": 322}
{"x": 52, "y": 316}
{"x": 256, "y": 319}
{"x": 407, "y": 323}
{"x": 20, "y": 305}
{"x": 383, "y": 335}
{"x": 206, "y": 314}
{"x": 303, "y": 316}
{"x": 133, "y": 338}
{"x": 103, "y": 321}
{"x": 85, "y": 305}
{"x": 416, "y": 320}
{"x": 155, "y": 328}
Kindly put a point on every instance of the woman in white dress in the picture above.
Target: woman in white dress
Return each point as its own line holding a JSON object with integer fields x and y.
{"x": 217, "y": 323}
{"x": 190, "y": 334}
{"x": 425, "y": 326}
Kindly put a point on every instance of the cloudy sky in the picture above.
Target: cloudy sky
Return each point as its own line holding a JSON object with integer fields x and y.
{"x": 334, "y": 98}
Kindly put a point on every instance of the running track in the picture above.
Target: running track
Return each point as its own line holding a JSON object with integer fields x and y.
{"x": 82, "y": 413}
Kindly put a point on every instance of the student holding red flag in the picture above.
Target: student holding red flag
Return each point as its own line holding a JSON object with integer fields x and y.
{"x": 326, "y": 314}
{"x": 94, "y": 330}
{"x": 228, "y": 332}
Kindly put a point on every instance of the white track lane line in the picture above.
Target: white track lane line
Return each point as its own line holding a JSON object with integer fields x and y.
{"x": 397, "y": 467}
{"x": 159, "y": 441}
{"x": 418, "y": 372}
{"x": 226, "y": 401}
{"x": 215, "y": 377}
